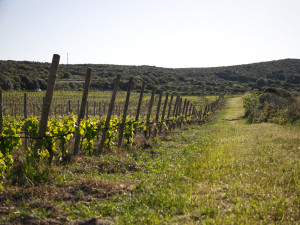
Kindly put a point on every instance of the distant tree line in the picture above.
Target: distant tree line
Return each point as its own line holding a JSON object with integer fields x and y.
{"x": 285, "y": 74}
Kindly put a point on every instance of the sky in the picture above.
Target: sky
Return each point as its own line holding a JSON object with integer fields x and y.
{"x": 163, "y": 33}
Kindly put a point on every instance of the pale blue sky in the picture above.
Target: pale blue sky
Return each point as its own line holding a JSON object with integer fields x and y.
{"x": 166, "y": 33}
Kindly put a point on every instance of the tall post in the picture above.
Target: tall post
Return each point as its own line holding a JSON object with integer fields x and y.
{"x": 190, "y": 109}
{"x": 165, "y": 107}
{"x": 150, "y": 106}
{"x": 82, "y": 108}
{"x": 170, "y": 106}
{"x": 164, "y": 112}
{"x": 184, "y": 105}
{"x": 25, "y": 105}
{"x": 150, "y": 110}
{"x": 140, "y": 102}
{"x": 109, "y": 113}
{"x": 158, "y": 106}
{"x": 25, "y": 117}
{"x": 48, "y": 99}
{"x": 125, "y": 112}
{"x": 176, "y": 105}
{"x": 178, "y": 110}
{"x": 186, "y": 109}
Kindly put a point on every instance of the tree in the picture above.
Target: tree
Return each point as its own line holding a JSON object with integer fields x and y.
{"x": 261, "y": 82}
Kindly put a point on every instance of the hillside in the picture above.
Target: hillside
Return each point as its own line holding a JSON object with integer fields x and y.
{"x": 24, "y": 75}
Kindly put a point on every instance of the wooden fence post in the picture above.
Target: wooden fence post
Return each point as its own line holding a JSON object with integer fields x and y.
{"x": 165, "y": 107}
{"x": 109, "y": 113}
{"x": 25, "y": 105}
{"x": 158, "y": 106}
{"x": 25, "y": 117}
{"x": 193, "y": 113}
{"x": 170, "y": 106}
{"x": 190, "y": 110}
{"x": 178, "y": 110}
{"x": 175, "y": 106}
{"x": 122, "y": 126}
{"x": 140, "y": 102}
{"x": 184, "y": 105}
{"x": 48, "y": 99}
{"x": 164, "y": 112}
{"x": 149, "y": 110}
{"x": 82, "y": 108}
{"x": 186, "y": 109}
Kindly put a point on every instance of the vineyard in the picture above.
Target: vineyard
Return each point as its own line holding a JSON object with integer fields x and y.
{"x": 125, "y": 157}
{"x": 39, "y": 128}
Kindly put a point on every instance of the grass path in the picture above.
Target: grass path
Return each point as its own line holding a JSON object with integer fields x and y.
{"x": 250, "y": 173}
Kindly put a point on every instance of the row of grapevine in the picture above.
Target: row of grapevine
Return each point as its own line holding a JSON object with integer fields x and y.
{"x": 44, "y": 139}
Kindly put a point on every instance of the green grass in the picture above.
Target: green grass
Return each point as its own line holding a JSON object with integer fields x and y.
{"x": 224, "y": 172}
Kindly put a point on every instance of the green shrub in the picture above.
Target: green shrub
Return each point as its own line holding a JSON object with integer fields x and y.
{"x": 272, "y": 105}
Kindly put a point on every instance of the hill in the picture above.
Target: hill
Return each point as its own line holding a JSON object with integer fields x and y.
{"x": 25, "y": 75}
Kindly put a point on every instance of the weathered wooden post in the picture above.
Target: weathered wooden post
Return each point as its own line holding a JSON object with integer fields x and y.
{"x": 191, "y": 105}
{"x": 164, "y": 112}
{"x": 184, "y": 105}
{"x": 193, "y": 113}
{"x": 158, "y": 110}
{"x": 25, "y": 117}
{"x": 170, "y": 106}
{"x": 186, "y": 109}
{"x": 178, "y": 110}
{"x": 46, "y": 106}
{"x": 109, "y": 113}
{"x": 25, "y": 105}
{"x": 158, "y": 107}
{"x": 165, "y": 107}
{"x": 122, "y": 125}
{"x": 140, "y": 102}
{"x": 176, "y": 105}
{"x": 82, "y": 108}
{"x": 150, "y": 110}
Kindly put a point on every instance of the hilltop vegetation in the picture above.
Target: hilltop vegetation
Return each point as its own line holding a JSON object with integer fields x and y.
{"x": 285, "y": 74}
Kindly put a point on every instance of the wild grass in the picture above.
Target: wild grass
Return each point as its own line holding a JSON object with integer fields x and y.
{"x": 224, "y": 172}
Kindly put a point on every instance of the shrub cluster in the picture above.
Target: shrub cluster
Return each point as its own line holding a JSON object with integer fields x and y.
{"x": 272, "y": 105}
